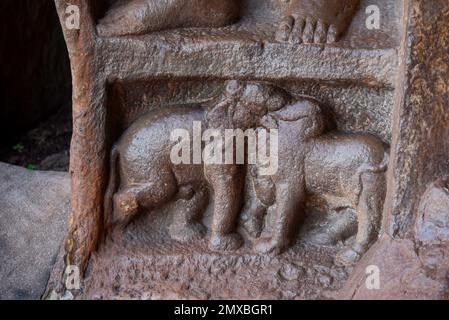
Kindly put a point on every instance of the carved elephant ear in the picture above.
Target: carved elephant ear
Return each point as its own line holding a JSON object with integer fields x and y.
{"x": 268, "y": 122}
{"x": 307, "y": 112}
{"x": 301, "y": 109}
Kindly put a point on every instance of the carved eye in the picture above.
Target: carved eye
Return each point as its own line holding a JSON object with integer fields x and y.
{"x": 232, "y": 87}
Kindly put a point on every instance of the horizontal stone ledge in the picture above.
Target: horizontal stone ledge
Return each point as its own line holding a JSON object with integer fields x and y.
{"x": 153, "y": 56}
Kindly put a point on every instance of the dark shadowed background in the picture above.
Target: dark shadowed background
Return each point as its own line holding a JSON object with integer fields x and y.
{"x": 35, "y": 86}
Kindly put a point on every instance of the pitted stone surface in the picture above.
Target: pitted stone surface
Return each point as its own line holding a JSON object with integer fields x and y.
{"x": 34, "y": 207}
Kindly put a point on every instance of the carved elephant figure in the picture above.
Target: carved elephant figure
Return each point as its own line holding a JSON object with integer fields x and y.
{"x": 143, "y": 177}
{"x": 344, "y": 170}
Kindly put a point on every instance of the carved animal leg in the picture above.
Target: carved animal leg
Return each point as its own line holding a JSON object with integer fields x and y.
{"x": 127, "y": 202}
{"x": 289, "y": 201}
{"x": 253, "y": 216}
{"x": 261, "y": 195}
{"x": 186, "y": 224}
{"x": 227, "y": 185}
{"x": 369, "y": 213}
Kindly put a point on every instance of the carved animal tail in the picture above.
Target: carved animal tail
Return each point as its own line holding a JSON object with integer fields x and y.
{"x": 111, "y": 189}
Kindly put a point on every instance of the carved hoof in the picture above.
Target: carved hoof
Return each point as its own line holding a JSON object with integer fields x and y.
{"x": 347, "y": 257}
{"x": 126, "y": 207}
{"x": 269, "y": 246}
{"x": 253, "y": 226}
{"x": 187, "y": 232}
{"x": 227, "y": 242}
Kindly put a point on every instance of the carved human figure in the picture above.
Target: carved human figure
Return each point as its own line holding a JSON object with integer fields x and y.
{"x": 308, "y": 21}
{"x": 346, "y": 171}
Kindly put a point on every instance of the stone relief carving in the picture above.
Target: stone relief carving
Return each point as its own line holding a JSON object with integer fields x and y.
{"x": 230, "y": 217}
{"x": 340, "y": 170}
{"x": 344, "y": 170}
{"x": 134, "y": 17}
{"x": 308, "y": 21}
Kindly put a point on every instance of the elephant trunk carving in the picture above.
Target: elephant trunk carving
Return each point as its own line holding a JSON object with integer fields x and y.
{"x": 347, "y": 170}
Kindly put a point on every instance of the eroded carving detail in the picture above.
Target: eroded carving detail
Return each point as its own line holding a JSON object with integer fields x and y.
{"x": 344, "y": 171}
{"x": 347, "y": 171}
{"x": 330, "y": 170}
{"x": 304, "y": 21}
{"x": 136, "y": 17}
{"x": 149, "y": 179}
{"x": 316, "y": 21}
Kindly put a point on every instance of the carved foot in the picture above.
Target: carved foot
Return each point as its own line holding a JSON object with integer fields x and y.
{"x": 316, "y": 21}
{"x": 348, "y": 257}
{"x": 227, "y": 242}
{"x": 187, "y": 232}
{"x": 270, "y": 246}
{"x": 136, "y": 17}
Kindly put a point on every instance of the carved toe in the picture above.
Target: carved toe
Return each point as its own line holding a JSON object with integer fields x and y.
{"x": 309, "y": 31}
{"x": 320, "y": 36}
{"x": 285, "y": 29}
{"x": 332, "y": 34}
{"x": 298, "y": 31}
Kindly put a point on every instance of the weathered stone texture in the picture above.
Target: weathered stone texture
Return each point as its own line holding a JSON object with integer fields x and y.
{"x": 34, "y": 207}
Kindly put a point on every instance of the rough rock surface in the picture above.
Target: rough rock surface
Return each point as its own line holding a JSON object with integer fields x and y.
{"x": 34, "y": 208}
{"x": 145, "y": 263}
{"x": 401, "y": 274}
{"x": 415, "y": 268}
